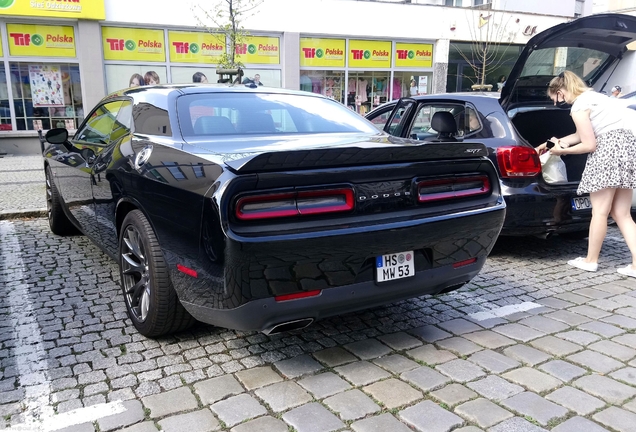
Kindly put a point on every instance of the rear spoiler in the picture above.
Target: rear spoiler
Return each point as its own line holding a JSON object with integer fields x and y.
{"x": 351, "y": 156}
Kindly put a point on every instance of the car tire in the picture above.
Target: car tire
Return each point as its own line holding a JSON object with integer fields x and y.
{"x": 575, "y": 235}
{"x": 151, "y": 301}
{"x": 58, "y": 221}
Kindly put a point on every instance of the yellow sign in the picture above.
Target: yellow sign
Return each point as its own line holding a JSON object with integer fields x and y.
{"x": 413, "y": 55}
{"x": 191, "y": 47}
{"x": 41, "y": 40}
{"x": 369, "y": 54}
{"x": 260, "y": 50}
{"x": 133, "y": 44}
{"x": 322, "y": 52}
{"x": 81, "y": 9}
{"x": 1, "y": 53}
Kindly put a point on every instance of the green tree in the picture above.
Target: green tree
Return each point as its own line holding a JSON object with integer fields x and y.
{"x": 224, "y": 20}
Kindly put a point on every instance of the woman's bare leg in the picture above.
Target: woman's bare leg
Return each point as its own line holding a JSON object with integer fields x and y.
{"x": 621, "y": 213}
{"x": 601, "y": 207}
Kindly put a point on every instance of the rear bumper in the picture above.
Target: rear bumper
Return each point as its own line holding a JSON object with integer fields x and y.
{"x": 264, "y": 314}
{"x": 342, "y": 266}
{"x": 532, "y": 210}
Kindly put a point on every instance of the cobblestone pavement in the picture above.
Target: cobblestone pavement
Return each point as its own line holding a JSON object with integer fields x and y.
{"x": 529, "y": 345}
{"x": 22, "y": 188}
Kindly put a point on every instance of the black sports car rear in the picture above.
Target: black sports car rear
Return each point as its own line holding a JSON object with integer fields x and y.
{"x": 266, "y": 209}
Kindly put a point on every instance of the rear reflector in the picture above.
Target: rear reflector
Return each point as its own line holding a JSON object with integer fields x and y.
{"x": 301, "y": 203}
{"x": 453, "y": 187}
{"x": 186, "y": 270}
{"x": 517, "y": 161}
{"x": 464, "y": 263}
{"x": 299, "y": 295}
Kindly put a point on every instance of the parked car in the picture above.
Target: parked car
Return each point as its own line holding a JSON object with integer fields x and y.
{"x": 265, "y": 209}
{"x": 512, "y": 123}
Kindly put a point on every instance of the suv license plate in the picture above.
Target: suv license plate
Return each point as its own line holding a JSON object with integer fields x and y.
{"x": 395, "y": 266}
{"x": 582, "y": 203}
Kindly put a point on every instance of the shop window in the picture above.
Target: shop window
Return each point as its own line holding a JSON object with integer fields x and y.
{"x": 367, "y": 90}
{"x": 5, "y": 104}
{"x": 266, "y": 77}
{"x": 46, "y": 95}
{"x": 119, "y": 77}
{"x": 184, "y": 75}
{"x": 328, "y": 83}
{"x": 406, "y": 84}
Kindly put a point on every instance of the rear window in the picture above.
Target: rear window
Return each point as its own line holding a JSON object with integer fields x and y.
{"x": 215, "y": 114}
{"x": 552, "y": 61}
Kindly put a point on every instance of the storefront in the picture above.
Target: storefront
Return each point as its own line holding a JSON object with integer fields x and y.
{"x": 154, "y": 56}
{"x": 364, "y": 74}
{"x": 40, "y": 80}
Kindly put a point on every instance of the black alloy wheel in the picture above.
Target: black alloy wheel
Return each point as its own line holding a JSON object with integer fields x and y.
{"x": 59, "y": 223}
{"x": 150, "y": 298}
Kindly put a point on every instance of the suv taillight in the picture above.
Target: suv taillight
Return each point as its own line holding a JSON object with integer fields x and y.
{"x": 518, "y": 161}
{"x": 302, "y": 203}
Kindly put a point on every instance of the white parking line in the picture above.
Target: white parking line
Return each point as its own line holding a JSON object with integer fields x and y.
{"x": 29, "y": 351}
{"x": 504, "y": 311}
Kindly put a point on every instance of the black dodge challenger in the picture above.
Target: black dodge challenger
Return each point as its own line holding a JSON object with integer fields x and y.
{"x": 266, "y": 209}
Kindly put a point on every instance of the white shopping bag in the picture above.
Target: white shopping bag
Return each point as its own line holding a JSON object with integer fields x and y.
{"x": 553, "y": 168}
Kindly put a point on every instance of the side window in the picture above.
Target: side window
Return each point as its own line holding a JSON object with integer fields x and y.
{"x": 151, "y": 120}
{"x": 123, "y": 122}
{"x": 397, "y": 123}
{"x": 472, "y": 124}
{"x": 99, "y": 125}
{"x": 380, "y": 120}
{"x": 465, "y": 116}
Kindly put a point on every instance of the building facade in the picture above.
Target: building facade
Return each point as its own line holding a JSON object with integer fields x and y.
{"x": 60, "y": 57}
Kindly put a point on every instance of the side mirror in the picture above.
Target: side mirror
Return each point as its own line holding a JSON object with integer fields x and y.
{"x": 57, "y": 136}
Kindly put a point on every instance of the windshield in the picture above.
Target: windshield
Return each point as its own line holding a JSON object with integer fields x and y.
{"x": 214, "y": 114}
{"x": 552, "y": 61}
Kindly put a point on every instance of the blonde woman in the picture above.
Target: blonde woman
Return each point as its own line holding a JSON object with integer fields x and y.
{"x": 603, "y": 131}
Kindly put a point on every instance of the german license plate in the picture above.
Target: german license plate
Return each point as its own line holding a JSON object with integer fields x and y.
{"x": 582, "y": 203}
{"x": 395, "y": 266}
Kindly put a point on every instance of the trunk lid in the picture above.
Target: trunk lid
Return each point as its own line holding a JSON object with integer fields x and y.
{"x": 588, "y": 46}
{"x": 325, "y": 150}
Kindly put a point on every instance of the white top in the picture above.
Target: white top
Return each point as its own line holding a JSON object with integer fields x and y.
{"x": 606, "y": 114}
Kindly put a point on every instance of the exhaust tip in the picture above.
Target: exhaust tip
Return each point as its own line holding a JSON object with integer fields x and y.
{"x": 289, "y": 326}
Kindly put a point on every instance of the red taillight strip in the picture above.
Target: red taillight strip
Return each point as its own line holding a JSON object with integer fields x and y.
{"x": 187, "y": 270}
{"x": 464, "y": 263}
{"x": 299, "y": 295}
{"x": 455, "y": 185}
{"x": 300, "y": 203}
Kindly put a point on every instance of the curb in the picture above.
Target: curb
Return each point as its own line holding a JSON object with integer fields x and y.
{"x": 22, "y": 214}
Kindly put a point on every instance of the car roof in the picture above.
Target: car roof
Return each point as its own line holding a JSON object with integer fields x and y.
{"x": 166, "y": 89}
{"x": 458, "y": 96}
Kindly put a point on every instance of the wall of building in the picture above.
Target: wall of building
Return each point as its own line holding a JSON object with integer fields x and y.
{"x": 374, "y": 20}
{"x": 563, "y": 8}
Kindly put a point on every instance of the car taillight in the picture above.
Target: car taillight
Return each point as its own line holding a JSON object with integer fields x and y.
{"x": 518, "y": 161}
{"x": 300, "y": 203}
{"x": 453, "y": 187}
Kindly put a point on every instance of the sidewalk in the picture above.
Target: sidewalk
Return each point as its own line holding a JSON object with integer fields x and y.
{"x": 22, "y": 187}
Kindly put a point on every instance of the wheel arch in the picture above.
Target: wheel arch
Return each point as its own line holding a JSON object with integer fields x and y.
{"x": 125, "y": 206}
